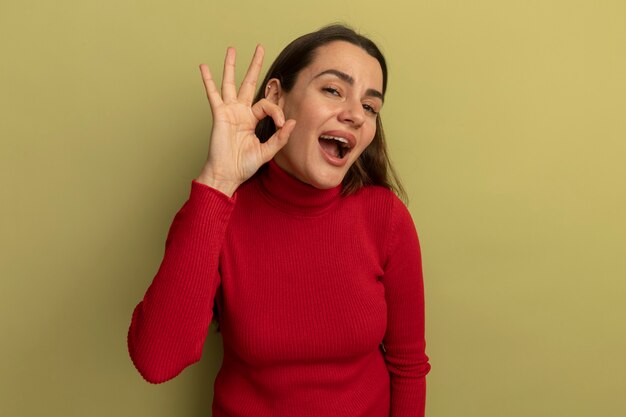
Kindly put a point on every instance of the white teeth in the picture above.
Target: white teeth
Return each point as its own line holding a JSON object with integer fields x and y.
{"x": 337, "y": 138}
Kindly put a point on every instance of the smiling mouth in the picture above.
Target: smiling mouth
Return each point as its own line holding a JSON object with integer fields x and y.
{"x": 335, "y": 146}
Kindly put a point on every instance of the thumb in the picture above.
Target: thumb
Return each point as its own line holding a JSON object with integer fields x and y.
{"x": 277, "y": 140}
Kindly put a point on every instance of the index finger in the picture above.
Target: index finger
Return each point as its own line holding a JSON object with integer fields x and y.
{"x": 248, "y": 85}
{"x": 209, "y": 85}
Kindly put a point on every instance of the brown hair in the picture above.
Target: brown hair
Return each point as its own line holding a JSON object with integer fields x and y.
{"x": 373, "y": 167}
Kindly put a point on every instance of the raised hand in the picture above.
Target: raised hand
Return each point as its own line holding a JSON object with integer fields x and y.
{"x": 235, "y": 152}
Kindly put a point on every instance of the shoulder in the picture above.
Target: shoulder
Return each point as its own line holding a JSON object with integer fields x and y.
{"x": 381, "y": 209}
{"x": 375, "y": 197}
{"x": 381, "y": 201}
{"x": 388, "y": 220}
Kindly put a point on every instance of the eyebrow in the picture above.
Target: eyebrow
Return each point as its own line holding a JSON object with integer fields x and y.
{"x": 347, "y": 78}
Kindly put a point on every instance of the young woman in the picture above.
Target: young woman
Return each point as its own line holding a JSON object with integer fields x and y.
{"x": 294, "y": 231}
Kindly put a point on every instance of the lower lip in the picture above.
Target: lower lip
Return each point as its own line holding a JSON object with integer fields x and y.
{"x": 333, "y": 160}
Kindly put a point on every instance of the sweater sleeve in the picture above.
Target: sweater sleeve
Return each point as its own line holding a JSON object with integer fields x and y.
{"x": 169, "y": 326}
{"x": 404, "y": 340}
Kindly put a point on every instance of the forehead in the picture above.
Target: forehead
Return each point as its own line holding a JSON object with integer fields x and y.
{"x": 348, "y": 58}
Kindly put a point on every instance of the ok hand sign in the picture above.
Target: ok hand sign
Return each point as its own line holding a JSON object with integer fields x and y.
{"x": 235, "y": 152}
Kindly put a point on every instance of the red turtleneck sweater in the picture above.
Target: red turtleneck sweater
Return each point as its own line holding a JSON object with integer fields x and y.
{"x": 308, "y": 284}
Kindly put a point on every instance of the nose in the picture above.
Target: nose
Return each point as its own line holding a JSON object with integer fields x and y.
{"x": 352, "y": 113}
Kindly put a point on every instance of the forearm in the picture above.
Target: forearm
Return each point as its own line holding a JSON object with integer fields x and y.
{"x": 408, "y": 397}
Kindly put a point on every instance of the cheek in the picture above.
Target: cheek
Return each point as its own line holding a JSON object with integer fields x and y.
{"x": 370, "y": 136}
{"x": 363, "y": 147}
{"x": 290, "y": 108}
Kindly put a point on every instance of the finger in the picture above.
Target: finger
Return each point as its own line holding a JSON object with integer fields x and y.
{"x": 277, "y": 140}
{"x": 209, "y": 85}
{"x": 264, "y": 108}
{"x": 229, "y": 90}
{"x": 246, "y": 92}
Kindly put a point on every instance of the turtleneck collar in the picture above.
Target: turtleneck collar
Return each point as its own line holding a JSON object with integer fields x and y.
{"x": 294, "y": 196}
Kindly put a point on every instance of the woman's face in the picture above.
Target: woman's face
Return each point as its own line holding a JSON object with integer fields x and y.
{"x": 335, "y": 101}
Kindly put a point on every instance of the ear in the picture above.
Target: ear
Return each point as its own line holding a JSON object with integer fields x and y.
{"x": 274, "y": 91}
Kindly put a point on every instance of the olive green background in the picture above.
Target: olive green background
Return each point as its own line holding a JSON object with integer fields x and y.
{"x": 506, "y": 119}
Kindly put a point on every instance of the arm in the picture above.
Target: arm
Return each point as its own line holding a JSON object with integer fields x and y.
{"x": 170, "y": 324}
{"x": 404, "y": 339}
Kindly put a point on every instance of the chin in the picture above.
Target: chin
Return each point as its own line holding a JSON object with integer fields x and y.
{"x": 325, "y": 185}
{"x": 325, "y": 180}
{"x": 317, "y": 173}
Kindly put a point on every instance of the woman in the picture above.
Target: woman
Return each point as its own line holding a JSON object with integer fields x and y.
{"x": 292, "y": 228}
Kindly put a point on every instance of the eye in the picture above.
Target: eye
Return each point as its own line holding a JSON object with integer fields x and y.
{"x": 370, "y": 109}
{"x": 332, "y": 90}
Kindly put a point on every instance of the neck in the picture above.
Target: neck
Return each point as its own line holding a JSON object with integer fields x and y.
{"x": 294, "y": 196}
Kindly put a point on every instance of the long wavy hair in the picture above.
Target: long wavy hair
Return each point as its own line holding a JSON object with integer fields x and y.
{"x": 373, "y": 167}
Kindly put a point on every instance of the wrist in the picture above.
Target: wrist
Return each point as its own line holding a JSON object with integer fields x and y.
{"x": 226, "y": 187}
